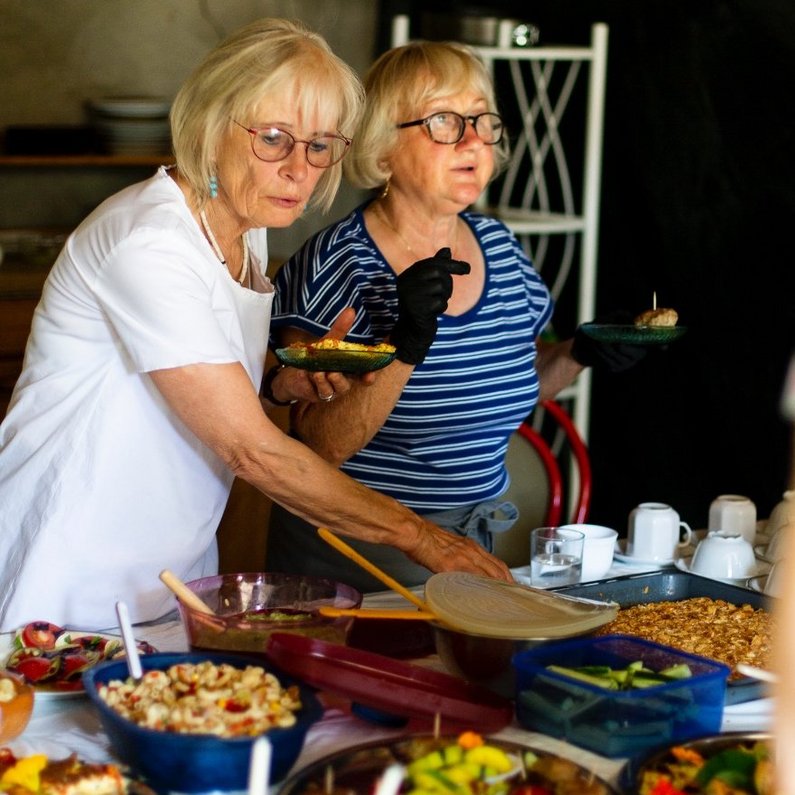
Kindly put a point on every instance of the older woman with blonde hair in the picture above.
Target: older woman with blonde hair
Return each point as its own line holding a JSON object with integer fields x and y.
{"x": 139, "y": 399}
{"x": 433, "y": 429}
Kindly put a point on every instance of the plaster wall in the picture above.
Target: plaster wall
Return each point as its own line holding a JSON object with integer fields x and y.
{"x": 56, "y": 54}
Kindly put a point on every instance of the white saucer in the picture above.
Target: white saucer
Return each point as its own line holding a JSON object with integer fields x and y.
{"x": 620, "y": 554}
{"x": 683, "y": 564}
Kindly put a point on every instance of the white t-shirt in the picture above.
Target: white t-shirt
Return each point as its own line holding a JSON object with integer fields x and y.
{"x": 101, "y": 485}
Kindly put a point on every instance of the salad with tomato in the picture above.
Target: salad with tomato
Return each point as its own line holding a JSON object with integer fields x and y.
{"x": 735, "y": 768}
{"x": 52, "y": 658}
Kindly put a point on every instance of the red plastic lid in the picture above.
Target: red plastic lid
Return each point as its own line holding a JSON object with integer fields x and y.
{"x": 393, "y": 686}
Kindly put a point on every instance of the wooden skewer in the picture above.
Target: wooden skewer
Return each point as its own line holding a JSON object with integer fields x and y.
{"x": 183, "y": 593}
{"x": 353, "y": 555}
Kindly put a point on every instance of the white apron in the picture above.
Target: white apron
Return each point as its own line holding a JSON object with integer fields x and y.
{"x": 91, "y": 522}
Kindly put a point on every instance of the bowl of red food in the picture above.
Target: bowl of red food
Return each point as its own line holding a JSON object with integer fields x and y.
{"x": 248, "y": 607}
{"x": 52, "y": 659}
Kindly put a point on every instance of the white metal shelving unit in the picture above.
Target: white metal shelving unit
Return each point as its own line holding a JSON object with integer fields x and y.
{"x": 555, "y": 217}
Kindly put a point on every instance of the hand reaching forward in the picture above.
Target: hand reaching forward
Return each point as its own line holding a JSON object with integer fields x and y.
{"x": 442, "y": 550}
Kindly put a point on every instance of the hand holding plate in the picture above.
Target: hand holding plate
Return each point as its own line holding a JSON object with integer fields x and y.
{"x": 613, "y": 354}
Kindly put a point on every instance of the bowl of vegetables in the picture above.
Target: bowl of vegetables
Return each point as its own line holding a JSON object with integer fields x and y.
{"x": 248, "y": 607}
{"x": 52, "y": 659}
{"x": 737, "y": 762}
{"x": 465, "y": 764}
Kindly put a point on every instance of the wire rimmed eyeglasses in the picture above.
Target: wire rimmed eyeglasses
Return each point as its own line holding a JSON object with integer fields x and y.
{"x": 272, "y": 144}
{"x": 447, "y": 127}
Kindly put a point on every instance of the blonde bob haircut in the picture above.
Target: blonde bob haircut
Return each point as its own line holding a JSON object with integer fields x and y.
{"x": 270, "y": 57}
{"x": 397, "y": 86}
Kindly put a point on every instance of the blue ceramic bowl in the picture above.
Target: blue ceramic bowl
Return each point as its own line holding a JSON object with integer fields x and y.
{"x": 195, "y": 762}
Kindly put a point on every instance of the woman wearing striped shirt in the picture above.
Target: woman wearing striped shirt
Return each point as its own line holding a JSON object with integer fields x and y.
{"x": 432, "y": 428}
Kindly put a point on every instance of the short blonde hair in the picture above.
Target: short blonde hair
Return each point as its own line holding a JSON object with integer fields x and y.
{"x": 397, "y": 85}
{"x": 269, "y": 56}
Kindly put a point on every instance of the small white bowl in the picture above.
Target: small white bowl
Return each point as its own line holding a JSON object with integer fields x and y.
{"x": 597, "y": 549}
{"x": 724, "y": 556}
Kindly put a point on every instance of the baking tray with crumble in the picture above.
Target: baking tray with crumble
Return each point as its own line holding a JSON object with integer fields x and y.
{"x": 675, "y": 586}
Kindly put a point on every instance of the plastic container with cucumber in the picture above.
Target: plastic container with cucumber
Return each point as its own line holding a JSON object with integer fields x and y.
{"x": 618, "y": 695}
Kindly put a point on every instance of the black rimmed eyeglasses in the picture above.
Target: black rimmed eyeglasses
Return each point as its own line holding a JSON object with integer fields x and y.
{"x": 272, "y": 144}
{"x": 447, "y": 127}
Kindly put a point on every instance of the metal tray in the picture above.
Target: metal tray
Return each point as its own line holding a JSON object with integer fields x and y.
{"x": 661, "y": 586}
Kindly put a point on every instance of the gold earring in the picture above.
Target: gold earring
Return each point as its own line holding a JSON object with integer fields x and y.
{"x": 385, "y": 190}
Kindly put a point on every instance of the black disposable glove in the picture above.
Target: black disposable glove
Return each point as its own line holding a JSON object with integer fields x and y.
{"x": 423, "y": 292}
{"x": 614, "y": 357}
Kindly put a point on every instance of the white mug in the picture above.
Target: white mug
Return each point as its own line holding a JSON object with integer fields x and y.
{"x": 732, "y": 513}
{"x": 655, "y": 532}
{"x": 723, "y": 556}
{"x": 597, "y": 549}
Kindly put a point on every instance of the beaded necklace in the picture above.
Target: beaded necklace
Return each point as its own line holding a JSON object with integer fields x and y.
{"x": 384, "y": 218}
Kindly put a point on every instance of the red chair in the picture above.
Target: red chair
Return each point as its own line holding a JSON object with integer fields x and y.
{"x": 572, "y": 440}
{"x": 546, "y": 456}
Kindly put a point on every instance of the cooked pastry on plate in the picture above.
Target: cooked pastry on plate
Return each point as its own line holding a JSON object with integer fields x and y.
{"x": 342, "y": 345}
{"x": 657, "y": 317}
{"x": 71, "y": 776}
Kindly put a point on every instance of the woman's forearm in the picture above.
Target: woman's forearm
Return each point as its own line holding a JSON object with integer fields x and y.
{"x": 556, "y": 368}
{"x": 339, "y": 429}
{"x": 218, "y": 404}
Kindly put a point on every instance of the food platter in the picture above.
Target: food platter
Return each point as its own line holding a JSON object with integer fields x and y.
{"x": 634, "y": 335}
{"x": 75, "y": 774}
{"x": 68, "y": 682}
{"x": 717, "y": 751}
{"x": 334, "y": 360}
{"x": 674, "y": 585}
{"x": 357, "y": 770}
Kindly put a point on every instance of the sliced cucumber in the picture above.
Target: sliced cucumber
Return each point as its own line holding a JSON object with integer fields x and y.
{"x": 634, "y": 675}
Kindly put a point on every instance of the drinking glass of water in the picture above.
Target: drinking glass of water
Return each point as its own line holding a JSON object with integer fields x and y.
{"x": 555, "y": 556}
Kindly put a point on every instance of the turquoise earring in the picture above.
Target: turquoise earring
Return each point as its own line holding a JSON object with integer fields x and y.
{"x": 213, "y": 187}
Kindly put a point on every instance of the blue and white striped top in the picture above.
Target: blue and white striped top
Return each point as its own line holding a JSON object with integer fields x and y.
{"x": 443, "y": 446}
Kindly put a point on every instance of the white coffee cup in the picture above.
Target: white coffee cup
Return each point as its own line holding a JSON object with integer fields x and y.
{"x": 597, "y": 549}
{"x": 733, "y": 513}
{"x": 724, "y": 556}
{"x": 656, "y": 533}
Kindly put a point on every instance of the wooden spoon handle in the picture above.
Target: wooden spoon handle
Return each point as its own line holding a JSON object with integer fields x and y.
{"x": 353, "y": 555}
{"x": 183, "y": 593}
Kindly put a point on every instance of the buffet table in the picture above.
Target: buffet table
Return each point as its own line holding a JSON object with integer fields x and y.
{"x": 65, "y": 724}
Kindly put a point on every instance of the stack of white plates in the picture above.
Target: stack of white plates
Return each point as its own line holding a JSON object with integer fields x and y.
{"x": 132, "y": 125}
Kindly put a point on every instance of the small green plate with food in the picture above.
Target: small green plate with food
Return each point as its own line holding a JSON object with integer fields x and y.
{"x": 653, "y": 327}
{"x": 336, "y": 356}
{"x": 635, "y": 335}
